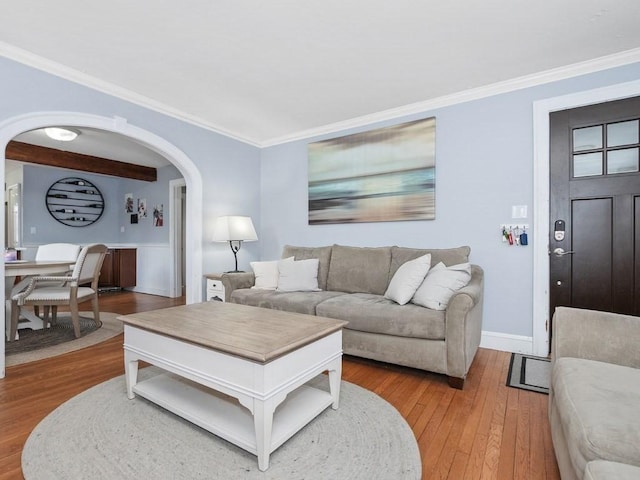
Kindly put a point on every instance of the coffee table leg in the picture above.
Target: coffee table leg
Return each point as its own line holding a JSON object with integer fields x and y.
{"x": 130, "y": 373}
{"x": 263, "y": 421}
{"x": 335, "y": 376}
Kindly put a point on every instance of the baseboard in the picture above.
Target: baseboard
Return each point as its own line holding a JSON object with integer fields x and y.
{"x": 151, "y": 291}
{"x": 506, "y": 342}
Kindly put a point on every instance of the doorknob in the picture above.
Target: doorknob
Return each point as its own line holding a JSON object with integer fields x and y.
{"x": 559, "y": 252}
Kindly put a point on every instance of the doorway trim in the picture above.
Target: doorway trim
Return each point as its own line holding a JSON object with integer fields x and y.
{"x": 14, "y": 126}
{"x": 175, "y": 236}
{"x": 541, "y": 111}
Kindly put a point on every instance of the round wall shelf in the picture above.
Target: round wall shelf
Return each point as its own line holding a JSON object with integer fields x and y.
{"x": 75, "y": 202}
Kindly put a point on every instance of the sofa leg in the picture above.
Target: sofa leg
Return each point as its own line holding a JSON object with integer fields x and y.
{"x": 455, "y": 382}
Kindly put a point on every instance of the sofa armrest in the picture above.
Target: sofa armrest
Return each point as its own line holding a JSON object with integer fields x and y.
{"x": 234, "y": 281}
{"x": 602, "y": 336}
{"x": 464, "y": 324}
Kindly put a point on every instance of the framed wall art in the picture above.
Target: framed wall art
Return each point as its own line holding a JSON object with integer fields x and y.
{"x": 382, "y": 175}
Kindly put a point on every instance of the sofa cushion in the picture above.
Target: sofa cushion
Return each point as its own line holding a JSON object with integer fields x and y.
{"x": 597, "y": 404}
{"x": 407, "y": 279}
{"x": 266, "y": 273}
{"x": 359, "y": 269}
{"x": 440, "y": 284}
{"x": 299, "y": 302}
{"x": 603, "y": 470}
{"x": 323, "y": 254}
{"x": 298, "y": 276}
{"x": 448, "y": 256}
{"x": 375, "y": 314}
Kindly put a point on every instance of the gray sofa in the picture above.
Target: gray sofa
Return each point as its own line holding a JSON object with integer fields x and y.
{"x": 353, "y": 281}
{"x": 594, "y": 397}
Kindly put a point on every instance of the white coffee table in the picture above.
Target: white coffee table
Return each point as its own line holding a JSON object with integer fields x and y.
{"x": 221, "y": 357}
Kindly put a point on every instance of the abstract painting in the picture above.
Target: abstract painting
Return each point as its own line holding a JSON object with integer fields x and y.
{"x": 382, "y": 175}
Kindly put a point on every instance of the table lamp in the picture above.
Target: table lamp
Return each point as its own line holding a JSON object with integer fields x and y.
{"x": 234, "y": 229}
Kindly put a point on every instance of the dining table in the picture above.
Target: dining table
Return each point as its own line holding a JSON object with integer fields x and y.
{"x": 27, "y": 268}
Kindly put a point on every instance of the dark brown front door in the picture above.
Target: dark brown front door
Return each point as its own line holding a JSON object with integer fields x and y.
{"x": 595, "y": 207}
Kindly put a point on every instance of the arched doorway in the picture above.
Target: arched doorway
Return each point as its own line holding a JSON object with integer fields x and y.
{"x": 193, "y": 180}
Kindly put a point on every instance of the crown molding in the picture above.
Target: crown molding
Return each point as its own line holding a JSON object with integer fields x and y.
{"x": 590, "y": 66}
{"x": 27, "y": 58}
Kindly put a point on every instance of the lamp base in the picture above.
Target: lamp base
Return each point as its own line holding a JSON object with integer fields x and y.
{"x": 235, "y": 271}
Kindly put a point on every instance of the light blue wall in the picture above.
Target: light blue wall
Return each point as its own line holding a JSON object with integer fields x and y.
{"x": 484, "y": 165}
{"x": 155, "y": 193}
{"x": 230, "y": 169}
{"x": 35, "y": 183}
{"x": 37, "y": 180}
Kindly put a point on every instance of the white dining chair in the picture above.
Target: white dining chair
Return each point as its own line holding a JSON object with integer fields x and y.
{"x": 67, "y": 290}
{"x": 64, "y": 252}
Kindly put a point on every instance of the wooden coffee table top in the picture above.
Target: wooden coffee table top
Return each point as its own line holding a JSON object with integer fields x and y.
{"x": 257, "y": 334}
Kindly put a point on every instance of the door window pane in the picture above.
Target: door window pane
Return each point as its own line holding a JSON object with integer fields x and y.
{"x": 588, "y": 138}
{"x": 623, "y": 133}
{"x": 622, "y": 161}
{"x": 587, "y": 164}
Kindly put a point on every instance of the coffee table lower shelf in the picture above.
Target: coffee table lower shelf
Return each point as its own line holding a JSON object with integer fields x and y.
{"x": 223, "y": 415}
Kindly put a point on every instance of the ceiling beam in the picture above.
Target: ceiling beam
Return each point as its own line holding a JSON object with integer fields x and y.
{"x": 25, "y": 152}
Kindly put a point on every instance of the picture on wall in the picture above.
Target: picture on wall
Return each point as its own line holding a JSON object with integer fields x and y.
{"x": 142, "y": 208}
{"x": 128, "y": 203}
{"x": 158, "y": 216}
{"x": 382, "y": 175}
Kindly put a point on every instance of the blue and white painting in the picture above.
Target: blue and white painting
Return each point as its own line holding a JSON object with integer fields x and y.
{"x": 383, "y": 175}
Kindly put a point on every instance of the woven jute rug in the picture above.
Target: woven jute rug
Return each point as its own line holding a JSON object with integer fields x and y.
{"x": 58, "y": 339}
{"x": 100, "y": 434}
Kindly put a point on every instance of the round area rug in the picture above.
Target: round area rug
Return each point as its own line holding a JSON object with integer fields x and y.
{"x": 100, "y": 434}
{"x": 56, "y": 334}
{"x": 38, "y": 344}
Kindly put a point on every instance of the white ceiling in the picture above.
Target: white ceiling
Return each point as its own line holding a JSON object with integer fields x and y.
{"x": 264, "y": 72}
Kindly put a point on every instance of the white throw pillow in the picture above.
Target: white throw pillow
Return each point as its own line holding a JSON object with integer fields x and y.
{"x": 440, "y": 284}
{"x": 298, "y": 276}
{"x": 267, "y": 274}
{"x": 407, "y": 279}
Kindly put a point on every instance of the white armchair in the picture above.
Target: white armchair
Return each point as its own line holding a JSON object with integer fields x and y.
{"x": 65, "y": 252}
{"x": 68, "y": 290}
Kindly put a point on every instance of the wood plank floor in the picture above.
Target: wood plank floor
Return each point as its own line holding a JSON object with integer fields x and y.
{"x": 486, "y": 431}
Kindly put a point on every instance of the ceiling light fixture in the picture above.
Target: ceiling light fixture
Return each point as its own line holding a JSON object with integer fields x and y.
{"x": 61, "y": 134}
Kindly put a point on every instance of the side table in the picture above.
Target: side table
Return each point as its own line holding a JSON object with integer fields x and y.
{"x": 215, "y": 288}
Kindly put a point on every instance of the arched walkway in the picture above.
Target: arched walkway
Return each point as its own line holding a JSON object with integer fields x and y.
{"x": 193, "y": 234}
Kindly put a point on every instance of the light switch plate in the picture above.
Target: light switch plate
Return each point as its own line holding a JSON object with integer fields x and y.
{"x": 518, "y": 211}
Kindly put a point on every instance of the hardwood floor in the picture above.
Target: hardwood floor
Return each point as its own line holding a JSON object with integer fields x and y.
{"x": 486, "y": 431}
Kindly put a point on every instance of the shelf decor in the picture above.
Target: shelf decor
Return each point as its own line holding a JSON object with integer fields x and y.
{"x": 75, "y": 202}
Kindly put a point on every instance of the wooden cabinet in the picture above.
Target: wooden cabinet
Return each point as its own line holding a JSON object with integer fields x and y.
{"x": 119, "y": 268}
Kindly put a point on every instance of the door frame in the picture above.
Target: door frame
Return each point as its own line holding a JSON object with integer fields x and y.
{"x": 175, "y": 236}
{"x": 541, "y": 111}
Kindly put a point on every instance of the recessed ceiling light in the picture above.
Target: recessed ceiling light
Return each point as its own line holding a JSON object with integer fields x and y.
{"x": 61, "y": 134}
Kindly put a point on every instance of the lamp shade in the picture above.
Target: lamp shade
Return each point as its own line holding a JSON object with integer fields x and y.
{"x": 234, "y": 227}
